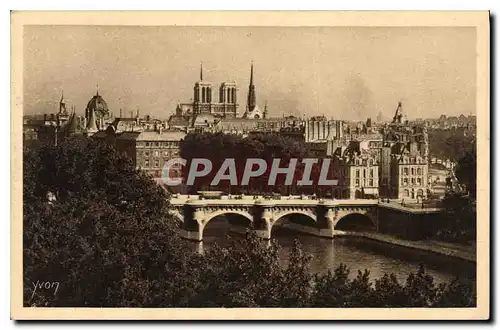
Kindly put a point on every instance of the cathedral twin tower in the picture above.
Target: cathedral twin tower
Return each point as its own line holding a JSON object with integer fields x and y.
{"x": 227, "y": 106}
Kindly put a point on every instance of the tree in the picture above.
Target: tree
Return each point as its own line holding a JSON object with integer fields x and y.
{"x": 459, "y": 219}
{"x": 332, "y": 288}
{"x": 101, "y": 230}
{"x": 389, "y": 293}
{"x": 466, "y": 172}
{"x": 420, "y": 289}
{"x": 106, "y": 238}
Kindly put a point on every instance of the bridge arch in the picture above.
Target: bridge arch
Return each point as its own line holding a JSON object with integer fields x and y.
{"x": 307, "y": 223}
{"x": 355, "y": 221}
{"x": 308, "y": 214}
{"x": 217, "y": 213}
{"x": 209, "y": 217}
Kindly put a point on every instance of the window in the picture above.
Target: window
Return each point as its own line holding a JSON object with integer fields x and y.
{"x": 357, "y": 174}
{"x": 147, "y": 144}
{"x": 146, "y": 163}
{"x": 157, "y": 163}
{"x": 406, "y": 193}
{"x": 156, "y": 153}
{"x": 371, "y": 162}
{"x": 157, "y": 144}
{"x": 405, "y": 182}
{"x": 371, "y": 182}
{"x": 146, "y": 153}
{"x": 371, "y": 172}
{"x": 166, "y": 153}
{"x": 419, "y": 181}
{"x": 364, "y": 173}
{"x": 419, "y": 171}
{"x": 357, "y": 182}
{"x": 412, "y": 181}
{"x": 412, "y": 171}
{"x": 405, "y": 171}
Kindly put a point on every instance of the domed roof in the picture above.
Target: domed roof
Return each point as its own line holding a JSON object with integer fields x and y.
{"x": 98, "y": 104}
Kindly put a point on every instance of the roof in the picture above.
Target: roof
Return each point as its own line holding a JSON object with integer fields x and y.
{"x": 178, "y": 121}
{"x": 98, "y": 103}
{"x": 204, "y": 119}
{"x": 153, "y": 136}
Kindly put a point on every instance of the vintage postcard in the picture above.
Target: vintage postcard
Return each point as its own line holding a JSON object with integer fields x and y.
{"x": 250, "y": 165}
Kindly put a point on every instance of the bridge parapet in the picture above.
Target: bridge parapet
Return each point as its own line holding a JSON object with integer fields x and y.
{"x": 264, "y": 213}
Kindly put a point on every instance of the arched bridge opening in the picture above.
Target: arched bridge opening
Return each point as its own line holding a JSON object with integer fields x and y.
{"x": 355, "y": 222}
{"x": 294, "y": 221}
{"x": 222, "y": 223}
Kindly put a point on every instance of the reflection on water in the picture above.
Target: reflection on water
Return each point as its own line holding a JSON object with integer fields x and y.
{"x": 328, "y": 254}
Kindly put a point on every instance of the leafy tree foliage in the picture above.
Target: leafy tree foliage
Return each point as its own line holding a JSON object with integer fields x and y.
{"x": 450, "y": 144}
{"x": 103, "y": 235}
{"x": 459, "y": 220}
{"x": 218, "y": 147}
{"x": 466, "y": 171}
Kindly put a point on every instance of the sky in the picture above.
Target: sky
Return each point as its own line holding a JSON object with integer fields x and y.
{"x": 347, "y": 73}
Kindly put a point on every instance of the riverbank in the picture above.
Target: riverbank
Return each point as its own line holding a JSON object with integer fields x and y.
{"x": 455, "y": 251}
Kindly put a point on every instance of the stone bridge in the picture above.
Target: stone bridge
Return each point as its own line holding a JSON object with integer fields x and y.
{"x": 262, "y": 214}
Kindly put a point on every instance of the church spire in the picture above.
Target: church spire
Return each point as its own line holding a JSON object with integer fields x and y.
{"x": 201, "y": 71}
{"x": 251, "y": 92}
{"x": 251, "y": 74}
{"x": 97, "y": 90}
{"x": 398, "y": 116}
{"x": 62, "y": 104}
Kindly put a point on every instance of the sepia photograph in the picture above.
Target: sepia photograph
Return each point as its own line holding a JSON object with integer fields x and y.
{"x": 244, "y": 165}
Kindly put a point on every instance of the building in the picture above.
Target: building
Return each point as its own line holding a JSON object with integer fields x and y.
{"x": 404, "y": 160}
{"x": 357, "y": 171}
{"x": 53, "y": 127}
{"x": 148, "y": 150}
{"x": 205, "y": 113}
{"x": 203, "y": 103}
{"x": 409, "y": 175}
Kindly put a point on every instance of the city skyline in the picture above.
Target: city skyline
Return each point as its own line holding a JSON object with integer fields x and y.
{"x": 154, "y": 68}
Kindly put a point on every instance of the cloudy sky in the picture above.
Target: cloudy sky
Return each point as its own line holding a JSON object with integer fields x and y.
{"x": 341, "y": 72}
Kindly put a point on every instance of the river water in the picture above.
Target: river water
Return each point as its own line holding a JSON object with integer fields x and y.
{"x": 356, "y": 253}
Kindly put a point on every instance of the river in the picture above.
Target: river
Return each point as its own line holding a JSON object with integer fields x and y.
{"x": 356, "y": 253}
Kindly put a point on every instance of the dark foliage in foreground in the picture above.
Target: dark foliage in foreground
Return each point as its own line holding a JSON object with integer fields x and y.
{"x": 459, "y": 219}
{"x": 101, "y": 229}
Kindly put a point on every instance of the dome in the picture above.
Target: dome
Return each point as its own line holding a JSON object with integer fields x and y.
{"x": 99, "y": 105}
{"x": 204, "y": 119}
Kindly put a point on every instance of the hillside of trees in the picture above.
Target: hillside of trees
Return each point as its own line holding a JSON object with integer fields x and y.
{"x": 449, "y": 144}
{"x": 100, "y": 229}
{"x": 218, "y": 147}
{"x": 459, "y": 219}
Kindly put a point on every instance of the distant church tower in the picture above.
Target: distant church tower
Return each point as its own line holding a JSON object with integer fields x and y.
{"x": 252, "y": 110}
{"x": 399, "y": 116}
{"x": 202, "y": 95}
{"x": 251, "y": 92}
{"x": 62, "y": 115}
